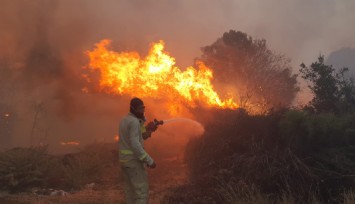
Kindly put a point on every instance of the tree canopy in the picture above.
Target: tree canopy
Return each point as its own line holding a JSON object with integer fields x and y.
{"x": 332, "y": 91}
{"x": 257, "y": 76}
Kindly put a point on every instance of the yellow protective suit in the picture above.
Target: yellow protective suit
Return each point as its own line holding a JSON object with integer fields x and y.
{"x": 132, "y": 158}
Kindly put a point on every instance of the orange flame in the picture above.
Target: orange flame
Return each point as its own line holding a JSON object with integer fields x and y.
{"x": 154, "y": 76}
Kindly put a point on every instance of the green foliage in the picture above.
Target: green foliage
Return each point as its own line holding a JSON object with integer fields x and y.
{"x": 285, "y": 154}
{"x": 332, "y": 91}
{"x": 304, "y": 131}
{"x": 22, "y": 168}
{"x": 261, "y": 78}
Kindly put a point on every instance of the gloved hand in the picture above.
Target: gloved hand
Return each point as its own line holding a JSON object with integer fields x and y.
{"x": 146, "y": 135}
{"x": 152, "y": 166}
{"x": 151, "y": 127}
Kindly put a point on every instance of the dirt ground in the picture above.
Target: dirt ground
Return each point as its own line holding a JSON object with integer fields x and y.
{"x": 168, "y": 174}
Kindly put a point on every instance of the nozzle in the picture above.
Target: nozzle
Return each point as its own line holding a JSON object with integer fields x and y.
{"x": 158, "y": 122}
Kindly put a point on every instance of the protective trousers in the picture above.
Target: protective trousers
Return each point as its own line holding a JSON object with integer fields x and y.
{"x": 136, "y": 182}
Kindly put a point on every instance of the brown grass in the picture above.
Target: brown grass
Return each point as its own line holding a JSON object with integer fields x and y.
{"x": 167, "y": 175}
{"x": 81, "y": 197}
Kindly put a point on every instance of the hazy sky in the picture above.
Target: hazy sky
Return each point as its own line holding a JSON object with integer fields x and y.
{"x": 300, "y": 29}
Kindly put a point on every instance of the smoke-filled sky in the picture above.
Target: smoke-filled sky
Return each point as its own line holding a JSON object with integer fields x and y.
{"x": 45, "y": 41}
{"x": 300, "y": 29}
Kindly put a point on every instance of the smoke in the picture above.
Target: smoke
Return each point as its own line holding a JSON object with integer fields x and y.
{"x": 43, "y": 44}
{"x": 341, "y": 58}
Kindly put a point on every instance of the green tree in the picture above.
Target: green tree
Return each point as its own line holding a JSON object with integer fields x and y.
{"x": 332, "y": 91}
{"x": 260, "y": 78}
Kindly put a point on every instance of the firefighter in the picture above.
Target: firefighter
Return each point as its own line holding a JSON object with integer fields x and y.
{"x": 132, "y": 155}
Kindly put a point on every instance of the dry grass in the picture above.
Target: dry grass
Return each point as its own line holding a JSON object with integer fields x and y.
{"x": 242, "y": 194}
{"x": 81, "y": 197}
{"x": 168, "y": 175}
{"x": 349, "y": 197}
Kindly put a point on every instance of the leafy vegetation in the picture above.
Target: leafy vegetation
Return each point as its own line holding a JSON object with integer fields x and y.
{"x": 286, "y": 154}
{"x": 333, "y": 92}
{"x": 248, "y": 68}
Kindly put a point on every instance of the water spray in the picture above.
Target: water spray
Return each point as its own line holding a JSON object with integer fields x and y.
{"x": 182, "y": 120}
{"x": 199, "y": 127}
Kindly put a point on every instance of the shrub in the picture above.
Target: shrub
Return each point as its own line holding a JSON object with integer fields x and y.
{"x": 95, "y": 163}
{"x": 311, "y": 132}
{"x": 23, "y": 168}
{"x": 285, "y": 154}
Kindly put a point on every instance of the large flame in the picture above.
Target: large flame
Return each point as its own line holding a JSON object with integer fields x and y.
{"x": 154, "y": 76}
